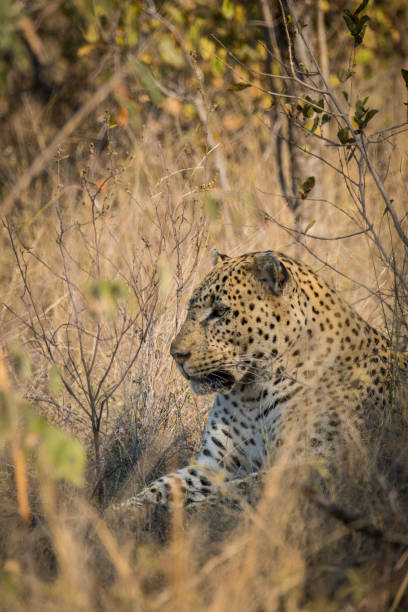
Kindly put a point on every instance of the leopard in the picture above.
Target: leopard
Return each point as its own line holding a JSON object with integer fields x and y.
{"x": 283, "y": 352}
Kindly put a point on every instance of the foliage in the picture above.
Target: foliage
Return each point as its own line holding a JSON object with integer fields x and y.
{"x": 45, "y": 51}
{"x": 115, "y": 191}
{"x": 357, "y": 24}
{"x": 38, "y": 447}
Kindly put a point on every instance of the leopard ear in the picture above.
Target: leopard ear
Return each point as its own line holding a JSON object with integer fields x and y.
{"x": 271, "y": 271}
{"x": 216, "y": 255}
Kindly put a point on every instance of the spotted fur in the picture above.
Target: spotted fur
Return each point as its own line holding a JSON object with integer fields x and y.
{"x": 283, "y": 352}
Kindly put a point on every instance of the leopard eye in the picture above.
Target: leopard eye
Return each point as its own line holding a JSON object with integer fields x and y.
{"x": 218, "y": 310}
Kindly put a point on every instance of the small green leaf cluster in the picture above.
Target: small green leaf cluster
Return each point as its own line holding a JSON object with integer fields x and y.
{"x": 104, "y": 295}
{"x": 56, "y": 455}
{"x": 105, "y": 288}
{"x": 309, "y": 108}
{"x": 344, "y": 136}
{"x": 357, "y": 25}
{"x": 62, "y": 456}
{"x": 362, "y": 116}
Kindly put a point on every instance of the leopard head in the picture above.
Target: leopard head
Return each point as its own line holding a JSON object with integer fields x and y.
{"x": 236, "y": 320}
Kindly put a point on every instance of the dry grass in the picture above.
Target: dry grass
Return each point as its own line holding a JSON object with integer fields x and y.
{"x": 150, "y": 229}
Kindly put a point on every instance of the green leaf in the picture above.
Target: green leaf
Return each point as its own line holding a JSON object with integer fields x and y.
{"x": 307, "y": 108}
{"x": 228, "y": 9}
{"x": 170, "y": 53}
{"x": 218, "y": 67}
{"x": 355, "y": 24}
{"x": 107, "y": 289}
{"x": 350, "y": 24}
{"x": 405, "y": 76}
{"x": 315, "y": 124}
{"x": 148, "y": 81}
{"x": 306, "y": 187}
{"x": 325, "y": 118}
{"x": 60, "y": 454}
{"x": 103, "y": 296}
{"x": 386, "y": 209}
{"x": 309, "y": 226}
{"x": 320, "y": 105}
{"x": 370, "y": 115}
{"x": 343, "y": 135}
{"x": 308, "y": 111}
{"x": 131, "y": 25}
{"x": 207, "y": 48}
{"x": 362, "y": 114}
{"x": 194, "y": 32}
{"x": 238, "y": 86}
{"x": 361, "y": 7}
{"x": 313, "y": 106}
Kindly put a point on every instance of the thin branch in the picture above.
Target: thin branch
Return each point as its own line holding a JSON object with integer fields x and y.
{"x": 328, "y": 265}
{"x": 358, "y": 139}
{"x": 292, "y": 229}
{"x": 355, "y": 522}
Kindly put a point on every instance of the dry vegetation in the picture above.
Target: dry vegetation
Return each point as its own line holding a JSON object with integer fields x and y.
{"x": 99, "y": 257}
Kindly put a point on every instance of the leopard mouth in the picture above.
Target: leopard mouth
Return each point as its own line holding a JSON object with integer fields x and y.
{"x": 215, "y": 381}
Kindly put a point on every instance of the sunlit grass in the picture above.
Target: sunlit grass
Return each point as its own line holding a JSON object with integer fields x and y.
{"x": 137, "y": 228}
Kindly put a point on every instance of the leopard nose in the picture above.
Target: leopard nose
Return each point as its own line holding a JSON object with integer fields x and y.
{"x": 179, "y": 355}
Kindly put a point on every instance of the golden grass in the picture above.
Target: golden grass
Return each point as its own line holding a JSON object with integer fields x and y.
{"x": 150, "y": 230}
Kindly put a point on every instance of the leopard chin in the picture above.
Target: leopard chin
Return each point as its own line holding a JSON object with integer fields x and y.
{"x": 221, "y": 380}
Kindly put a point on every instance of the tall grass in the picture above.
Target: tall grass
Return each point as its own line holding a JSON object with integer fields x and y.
{"x": 122, "y": 235}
